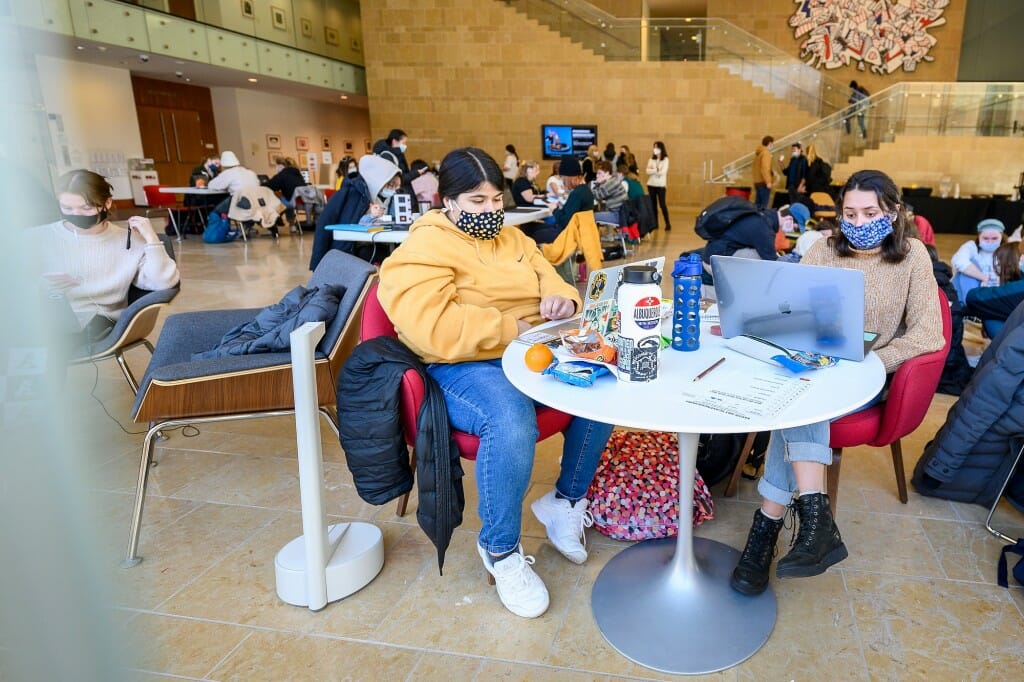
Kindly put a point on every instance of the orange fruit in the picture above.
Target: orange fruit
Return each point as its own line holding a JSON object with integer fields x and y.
{"x": 538, "y": 357}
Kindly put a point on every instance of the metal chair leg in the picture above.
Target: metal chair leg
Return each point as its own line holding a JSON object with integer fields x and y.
{"x": 174, "y": 224}
{"x": 995, "y": 503}
{"x": 126, "y": 370}
{"x": 131, "y": 556}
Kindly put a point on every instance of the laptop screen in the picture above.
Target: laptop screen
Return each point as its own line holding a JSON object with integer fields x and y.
{"x": 800, "y": 307}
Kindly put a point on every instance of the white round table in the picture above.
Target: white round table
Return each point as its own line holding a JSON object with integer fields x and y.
{"x": 666, "y": 604}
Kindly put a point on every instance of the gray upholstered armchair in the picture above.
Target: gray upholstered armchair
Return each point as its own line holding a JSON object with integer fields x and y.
{"x": 177, "y": 390}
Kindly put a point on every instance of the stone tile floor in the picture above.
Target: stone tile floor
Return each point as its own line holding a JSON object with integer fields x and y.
{"x": 916, "y": 599}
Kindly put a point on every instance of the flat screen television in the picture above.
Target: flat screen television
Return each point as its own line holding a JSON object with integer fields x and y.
{"x": 558, "y": 141}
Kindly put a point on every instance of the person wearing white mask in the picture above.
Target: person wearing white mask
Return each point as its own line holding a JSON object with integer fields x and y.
{"x": 972, "y": 263}
{"x": 657, "y": 181}
{"x": 383, "y": 180}
{"x": 393, "y": 149}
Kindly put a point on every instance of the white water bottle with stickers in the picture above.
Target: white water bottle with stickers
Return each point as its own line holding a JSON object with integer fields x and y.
{"x": 639, "y": 302}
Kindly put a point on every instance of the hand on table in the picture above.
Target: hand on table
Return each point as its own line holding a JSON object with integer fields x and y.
{"x": 376, "y": 210}
{"x": 557, "y": 307}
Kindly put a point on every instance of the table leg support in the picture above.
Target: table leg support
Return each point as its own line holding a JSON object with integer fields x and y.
{"x": 666, "y": 604}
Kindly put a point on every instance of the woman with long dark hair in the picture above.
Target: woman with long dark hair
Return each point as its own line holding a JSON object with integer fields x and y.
{"x": 459, "y": 289}
{"x": 657, "y": 181}
{"x": 902, "y": 305}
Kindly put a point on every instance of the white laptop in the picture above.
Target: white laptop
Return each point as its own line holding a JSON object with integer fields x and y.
{"x": 599, "y": 293}
{"x": 799, "y": 307}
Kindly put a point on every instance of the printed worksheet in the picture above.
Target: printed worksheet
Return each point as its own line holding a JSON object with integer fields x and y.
{"x": 744, "y": 395}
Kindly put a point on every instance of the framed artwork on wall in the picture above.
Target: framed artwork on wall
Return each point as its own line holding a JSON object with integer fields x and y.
{"x": 302, "y": 144}
{"x": 306, "y": 26}
{"x": 331, "y": 35}
{"x": 325, "y": 143}
{"x": 278, "y": 18}
{"x": 247, "y": 10}
{"x": 273, "y": 141}
{"x": 369, "y": 147}
{"x": 270, "y": 158}
{"x": 348, "y": 146}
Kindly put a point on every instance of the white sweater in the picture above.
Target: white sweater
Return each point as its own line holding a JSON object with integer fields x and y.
{"x": 657, "y": 172}
{"x": 234, "y": 178}
{"x": 103, "y": 266}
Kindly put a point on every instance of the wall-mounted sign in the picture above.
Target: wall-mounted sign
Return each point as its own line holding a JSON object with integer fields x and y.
{"x": 878, "y": 34}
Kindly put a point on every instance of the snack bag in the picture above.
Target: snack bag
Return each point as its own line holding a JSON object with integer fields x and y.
{"x": 589, "y": 346}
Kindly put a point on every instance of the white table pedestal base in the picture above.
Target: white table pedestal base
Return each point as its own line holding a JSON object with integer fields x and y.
{"x": 666, "y": 604}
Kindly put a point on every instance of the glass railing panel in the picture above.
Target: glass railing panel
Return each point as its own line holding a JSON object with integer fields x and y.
{"x": 918, "y": 109}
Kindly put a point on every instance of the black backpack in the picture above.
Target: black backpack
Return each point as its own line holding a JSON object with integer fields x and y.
{"x": 717, "y": 453}
{"x": 720, "y": 214}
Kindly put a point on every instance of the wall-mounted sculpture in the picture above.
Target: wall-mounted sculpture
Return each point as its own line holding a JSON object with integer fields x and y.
{"x": 881, "y": 34}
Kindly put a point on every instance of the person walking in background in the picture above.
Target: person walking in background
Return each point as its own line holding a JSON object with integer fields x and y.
{"x": 763, "y": 175}
{"x": 858, "y": 105}
{"x": 795, "y": 172}
{"x": 393, "y": 149}
{"x": 510, "y": 169}
{"x": 657, "y": 180}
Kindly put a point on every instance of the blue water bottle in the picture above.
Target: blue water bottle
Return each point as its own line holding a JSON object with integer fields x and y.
{"x": 686, "y": 288}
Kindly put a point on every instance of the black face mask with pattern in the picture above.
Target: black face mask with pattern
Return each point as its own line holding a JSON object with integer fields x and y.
{"x": 485, "y": 225}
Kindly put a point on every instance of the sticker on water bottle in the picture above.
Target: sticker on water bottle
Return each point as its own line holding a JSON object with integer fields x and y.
{"x": 647, "y": 312}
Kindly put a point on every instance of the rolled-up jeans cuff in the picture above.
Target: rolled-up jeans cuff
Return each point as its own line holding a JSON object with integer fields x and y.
{"x": 775, "y": 494}
{"x": 809, "y": 452}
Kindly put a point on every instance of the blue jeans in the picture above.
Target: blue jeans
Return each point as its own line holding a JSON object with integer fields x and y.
{"x": 481, "y": 401}
{"x": 808, "y": 443}
{"x": 762, "y": 192}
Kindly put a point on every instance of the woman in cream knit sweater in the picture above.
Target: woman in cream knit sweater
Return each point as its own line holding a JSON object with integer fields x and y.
{"x": 902, "y": 305}
{"x": 92, "y": 260}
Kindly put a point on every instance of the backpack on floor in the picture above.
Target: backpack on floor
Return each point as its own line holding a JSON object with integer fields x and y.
{"x": 218, "y": 229}
{"x": 718, "y": 453}
{"x": 1018, "y": 569}
{"x": 635, "y": 492}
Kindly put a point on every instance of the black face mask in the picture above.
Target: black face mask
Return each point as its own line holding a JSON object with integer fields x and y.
{"x": 85, "y": 222}
{"x": 353, "y": 172}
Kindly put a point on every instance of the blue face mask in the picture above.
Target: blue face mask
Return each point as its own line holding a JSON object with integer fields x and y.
{"x": 988, "y": 247}
{"x": 869, "y": 235}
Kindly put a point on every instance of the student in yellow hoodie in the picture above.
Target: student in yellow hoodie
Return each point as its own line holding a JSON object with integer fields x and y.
{"x": 459, "y": 289}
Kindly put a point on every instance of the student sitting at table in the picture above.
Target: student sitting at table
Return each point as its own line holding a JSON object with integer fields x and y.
{"x": 554, "y": 188}
{"x": 611, "y": 191}
{"x": 352, "y": 203}
{"x": 424, "y": 183}
{"x": 524, "y": 189}
{"x": 459, "y": 290}
{"x": 902, "y": 306}
{"x": 972, "y": 262}
{"x": 232, "y": 177}
{"x": 284, "y": 182}
{"x": 580, "y": 199}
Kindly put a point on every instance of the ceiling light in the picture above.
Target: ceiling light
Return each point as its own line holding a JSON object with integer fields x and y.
{"x": 79, "y": 47}
{"x": 102, "y": 48}
{"x": 344, "y": 96}
{"x": 252, "y": 80}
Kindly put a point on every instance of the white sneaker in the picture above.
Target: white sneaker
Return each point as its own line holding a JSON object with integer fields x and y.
{"x": 565, "y": 523}
{"x": 519, "y": 588}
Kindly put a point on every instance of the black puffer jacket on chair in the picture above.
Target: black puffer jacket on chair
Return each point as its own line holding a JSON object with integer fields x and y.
{"x": 971, "y": 454}
{"x": 371, "y": 434}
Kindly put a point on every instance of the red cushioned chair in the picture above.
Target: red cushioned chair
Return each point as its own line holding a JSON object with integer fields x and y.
{"x": 910, "y": 394}
{"x": 374, "y": 323}
{"x": 157, "y": 200}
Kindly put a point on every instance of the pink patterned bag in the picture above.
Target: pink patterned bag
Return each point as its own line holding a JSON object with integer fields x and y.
{"x": 635, "y": 493}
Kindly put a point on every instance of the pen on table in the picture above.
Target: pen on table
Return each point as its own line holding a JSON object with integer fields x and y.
{"x": 708, "y": 370}
{"x": 128, "y": 246}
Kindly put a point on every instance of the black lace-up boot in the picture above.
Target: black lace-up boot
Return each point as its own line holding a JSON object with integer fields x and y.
{"x": 818, "y": 544}
{"x": 751, "y": 573}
